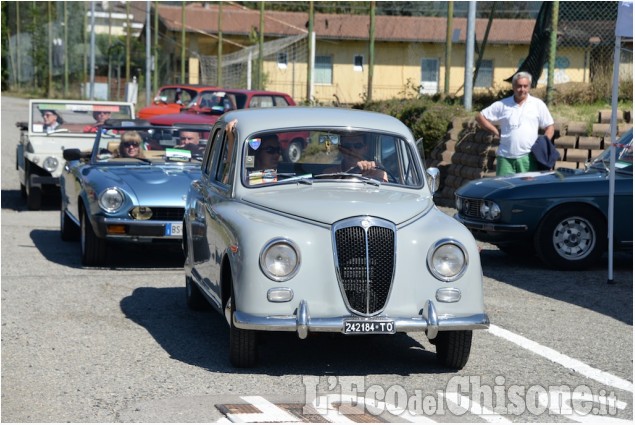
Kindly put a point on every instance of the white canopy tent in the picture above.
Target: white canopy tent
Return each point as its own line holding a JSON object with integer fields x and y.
{"x": 623, "y": 28}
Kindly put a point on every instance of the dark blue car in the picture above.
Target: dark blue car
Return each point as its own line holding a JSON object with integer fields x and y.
{"x": 561, "y": 215}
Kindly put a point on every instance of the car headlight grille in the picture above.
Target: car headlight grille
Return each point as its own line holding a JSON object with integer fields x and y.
{"x": 365, "y": 257}
{"x": 469, "y": 207}
{"x": 161, "y": 213}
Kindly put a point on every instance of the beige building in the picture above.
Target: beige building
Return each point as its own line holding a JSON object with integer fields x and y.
{"x": 409, "y": 52}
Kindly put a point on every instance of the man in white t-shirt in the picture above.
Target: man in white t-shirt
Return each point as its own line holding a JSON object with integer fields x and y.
{"x": 520, "y": 117}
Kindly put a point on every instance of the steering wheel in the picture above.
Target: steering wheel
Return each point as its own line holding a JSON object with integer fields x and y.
{"x": 357, "y": 170}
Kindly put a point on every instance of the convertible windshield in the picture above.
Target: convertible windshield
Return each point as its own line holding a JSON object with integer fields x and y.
{"x": 150, "y": 145}
{"x": 623, "y": 155}
{"x": 320, "y": 155}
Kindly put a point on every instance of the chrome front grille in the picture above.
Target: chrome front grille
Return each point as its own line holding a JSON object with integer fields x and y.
{"x": 365, "y": 256}
{"x": 470, "y": 207}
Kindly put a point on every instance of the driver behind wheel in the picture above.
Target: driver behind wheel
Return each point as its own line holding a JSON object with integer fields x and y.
{"x": 354, "y": 151}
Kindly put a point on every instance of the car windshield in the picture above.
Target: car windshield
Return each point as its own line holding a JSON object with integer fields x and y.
{"x": 125, "y": 145}
{"x": 623, "y": 156}
{"x": 216, "y": 101}
{"x": 326, "y": 155}
{"x": 60, "y": 117}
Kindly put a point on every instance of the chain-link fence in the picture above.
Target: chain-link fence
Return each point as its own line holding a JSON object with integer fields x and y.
{"x": 43, "y": 36}
{"x": 281, "y": 58}
{"x": 589, "y": 26}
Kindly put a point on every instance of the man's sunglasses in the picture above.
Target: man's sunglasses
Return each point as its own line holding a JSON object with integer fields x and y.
{"x": 353, "y": 145}
{"x": 271, "y": 150}
{"x": 186, "y": 138}
{"x": 130, "y": 144}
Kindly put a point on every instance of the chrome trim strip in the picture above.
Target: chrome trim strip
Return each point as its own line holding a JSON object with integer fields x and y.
{"x": 489, "y": 226}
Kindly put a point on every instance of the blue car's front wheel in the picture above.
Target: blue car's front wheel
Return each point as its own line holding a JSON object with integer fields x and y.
{"x": 572, "y": 237}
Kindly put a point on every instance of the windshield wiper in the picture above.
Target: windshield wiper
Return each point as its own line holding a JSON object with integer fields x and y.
{"x": 342, "y": 175}
{"x": 303, "y": 178}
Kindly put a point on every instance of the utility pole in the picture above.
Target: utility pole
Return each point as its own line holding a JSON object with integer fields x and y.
{"x": 371, "y": 52}
{"x": 18, "y": 50}
{"x": 65, "y": 50}
{"x": 310, "y": 62}
{"x": 183, "y": 42}
{"x": 219, "y": 60}
{"x": 448, "y": 47}
{"x": 50, "y": 49}
{"x": 553, "y": 43}
{"x": 469, "y": 55}
{"x": 261, "y": 46}
{"x": 92, "y": 51}
{"x": 148, "y": 56}
{"x": 128, "y": 36}
{"x": 155, "y": 80}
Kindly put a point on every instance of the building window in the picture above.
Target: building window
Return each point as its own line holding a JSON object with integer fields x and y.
{"x": 282, "y": 60}
{"x": 358, "y": 63}
{"x": 323, "y": 70}
{"x": 485, "y": 76}
{"x": 429, "y": 75}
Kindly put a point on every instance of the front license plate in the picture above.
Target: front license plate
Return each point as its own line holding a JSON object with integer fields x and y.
{"x": 369, "y": 327}
{"x": 174, "y": 229}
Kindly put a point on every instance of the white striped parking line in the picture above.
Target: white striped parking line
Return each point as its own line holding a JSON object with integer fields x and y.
{"x": 269, "y": 412}
{"x": 564, "y": 360}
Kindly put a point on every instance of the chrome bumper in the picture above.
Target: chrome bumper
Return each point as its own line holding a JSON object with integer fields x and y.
{"x": 302, "y": 323}
{"x": 136, "y": 230}
{"x": 490, "y": 227}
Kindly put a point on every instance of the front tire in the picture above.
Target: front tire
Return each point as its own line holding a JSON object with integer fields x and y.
{"x": 194, "y": 297}
{"x": 453, "y": 348}
{"x": 33, "y": 194}
{"x": 571, "y": 238}
{"x": 243, "y": 348}
{"x": 94, "y": 249}
{"x": 68, "y": 229}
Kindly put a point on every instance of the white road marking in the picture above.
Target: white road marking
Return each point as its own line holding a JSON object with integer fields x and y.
{"x": 476, "y": 409}
{"x": 269, "y": 413}
{"x": 564, "y": 360}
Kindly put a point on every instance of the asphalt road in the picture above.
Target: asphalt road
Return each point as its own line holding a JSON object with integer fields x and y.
{"x": 119, "y": 345}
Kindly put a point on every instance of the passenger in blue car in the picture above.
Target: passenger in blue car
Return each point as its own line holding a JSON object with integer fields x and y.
{"x": 130, "y": 145}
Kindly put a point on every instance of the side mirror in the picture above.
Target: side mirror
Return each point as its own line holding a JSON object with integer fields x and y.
{"x": 433, "y": 178}
{"x": 72, "y": 154}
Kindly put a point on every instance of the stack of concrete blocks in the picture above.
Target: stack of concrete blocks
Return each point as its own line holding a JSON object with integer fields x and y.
{"x": 578, "y": 144}
{"x": 468, "y": 152}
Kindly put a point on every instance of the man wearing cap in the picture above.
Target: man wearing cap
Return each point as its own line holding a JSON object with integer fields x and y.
{"x": 52, "y": 120}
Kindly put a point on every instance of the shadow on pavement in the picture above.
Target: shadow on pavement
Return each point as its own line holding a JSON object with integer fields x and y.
{"x": 120, "y": 256}
{"x": 202, "y": 339}
{"x": 588, "y": 288}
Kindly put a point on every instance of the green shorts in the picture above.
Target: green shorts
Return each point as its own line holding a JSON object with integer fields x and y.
{"x": 509, "y": 166}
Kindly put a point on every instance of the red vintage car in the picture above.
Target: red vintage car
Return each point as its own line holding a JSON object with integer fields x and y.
{"x": 172, "y": 98}
{"x": 211, "y": 104}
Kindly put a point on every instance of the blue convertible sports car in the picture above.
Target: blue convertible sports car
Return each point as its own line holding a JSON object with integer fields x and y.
{"x": 562, "y": 215}
{"x": 130, "y": 188}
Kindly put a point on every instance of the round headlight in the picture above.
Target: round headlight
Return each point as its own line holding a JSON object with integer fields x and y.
{"x": 490, "y": 210}
{"x": 141, "y": 213}
{"x": 50, "y": 164}
{"x": 447, "y": 260}
{"x": 280, "y": 260}
{"x": 111, "y": 199}
{"x": 458, "y": 204}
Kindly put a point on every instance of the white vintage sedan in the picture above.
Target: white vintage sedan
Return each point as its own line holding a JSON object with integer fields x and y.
{"x": 345, "y": 240}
